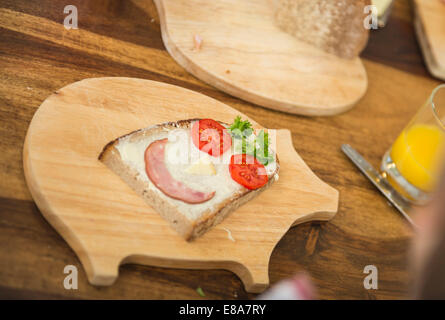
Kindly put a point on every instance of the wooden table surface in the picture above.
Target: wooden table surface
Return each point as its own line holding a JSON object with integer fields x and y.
{"x": 122, "y": 38}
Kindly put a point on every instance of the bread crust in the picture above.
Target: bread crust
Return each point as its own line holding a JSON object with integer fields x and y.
{"x": 188, "y": 229}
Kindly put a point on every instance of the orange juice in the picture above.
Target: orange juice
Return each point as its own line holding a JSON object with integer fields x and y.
{"x": 417, "y": 154}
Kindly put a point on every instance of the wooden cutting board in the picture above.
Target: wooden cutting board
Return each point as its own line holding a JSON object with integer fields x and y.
{"x": 107, "y": 224}
{"x": 430, "y": 28}
{"x": 246, "y": 55}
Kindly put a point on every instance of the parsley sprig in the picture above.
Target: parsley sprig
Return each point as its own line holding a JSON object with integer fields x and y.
{"x": 240, "y": 128}
{"x": 245, "y": 141}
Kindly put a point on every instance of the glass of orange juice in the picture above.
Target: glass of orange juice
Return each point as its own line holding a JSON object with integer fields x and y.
{"x": 414, "y": 162}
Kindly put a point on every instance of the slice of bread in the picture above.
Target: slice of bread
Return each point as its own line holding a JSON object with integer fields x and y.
{"x": 125, "y": 157}
{"x": 335, "y": 26}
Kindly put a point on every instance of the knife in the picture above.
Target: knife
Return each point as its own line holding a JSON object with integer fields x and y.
{"x": 379, "y": 182}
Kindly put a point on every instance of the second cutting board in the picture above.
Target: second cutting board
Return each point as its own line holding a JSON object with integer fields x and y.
{"x": 246, "y": 55}
{"x": 430, "y": 29}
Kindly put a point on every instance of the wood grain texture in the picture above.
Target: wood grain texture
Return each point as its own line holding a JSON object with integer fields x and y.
{"x": 38, "y": 56}
{"x": 107, "y": 224}
{"x": 245, "y": 54}
{"x": 430, "y": 28}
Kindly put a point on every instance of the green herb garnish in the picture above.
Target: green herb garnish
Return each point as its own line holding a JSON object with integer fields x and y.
{"x": 200, "y": 292}
{"x": 241, "y": 128}
{"x": 262, "y": 148}
{"x": 245, "y": 141}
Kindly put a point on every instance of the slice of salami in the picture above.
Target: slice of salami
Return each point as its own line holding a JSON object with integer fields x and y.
{"x": 158, "y": 173}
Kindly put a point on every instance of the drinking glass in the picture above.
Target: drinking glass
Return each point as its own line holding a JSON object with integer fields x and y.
{"x": 415, "y": 161}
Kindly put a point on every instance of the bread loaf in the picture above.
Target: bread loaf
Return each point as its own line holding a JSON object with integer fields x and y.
{"x": 335, "y": 26}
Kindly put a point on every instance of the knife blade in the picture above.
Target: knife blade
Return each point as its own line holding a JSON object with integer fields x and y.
{"x": 402, "y": 205}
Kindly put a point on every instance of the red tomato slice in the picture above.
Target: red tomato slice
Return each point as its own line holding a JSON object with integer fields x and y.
{"x": 247, "y": 171}
{"x": 211, "y": 137}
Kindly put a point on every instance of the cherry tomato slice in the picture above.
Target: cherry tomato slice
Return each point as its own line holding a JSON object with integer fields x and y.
{"x": 248, "y": 171}
{"x": 211, "y": 137}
